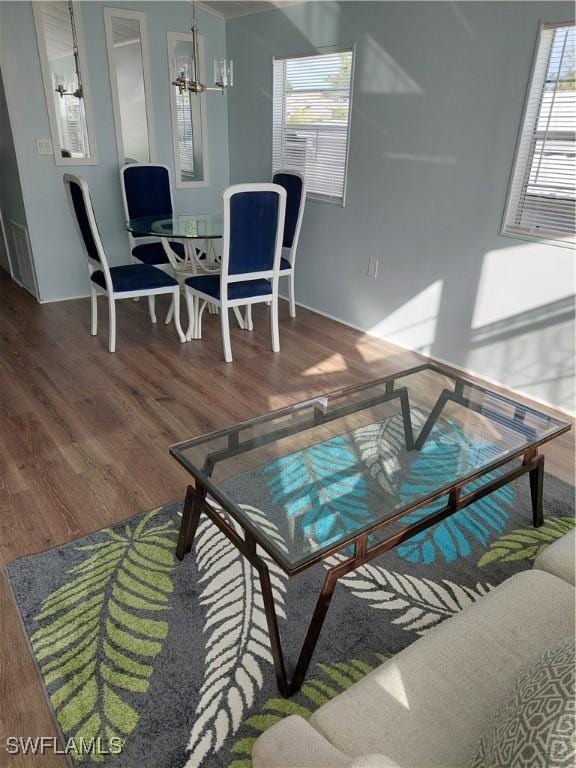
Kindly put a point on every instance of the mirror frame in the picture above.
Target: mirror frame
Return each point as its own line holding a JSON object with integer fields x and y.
{"x": 49, "y": 92}
{"x": 109, "y": 14}
{"x": 171, "y": 38}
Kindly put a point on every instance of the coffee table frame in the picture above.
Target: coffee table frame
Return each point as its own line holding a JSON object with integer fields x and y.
{"x": 196, "y": 500}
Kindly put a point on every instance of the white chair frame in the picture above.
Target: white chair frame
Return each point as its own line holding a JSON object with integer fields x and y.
{"x": 102, "y": 264}
{"x": 197, "y": 301}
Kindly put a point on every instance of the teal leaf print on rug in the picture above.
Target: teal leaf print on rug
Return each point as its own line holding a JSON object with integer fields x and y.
{"x": 440, "y": 460}
{"x": 99, "y": 633}
{"x": 330, "y": 680}
{"x": 322, "y": 487}
{"x": 526, "y": 543}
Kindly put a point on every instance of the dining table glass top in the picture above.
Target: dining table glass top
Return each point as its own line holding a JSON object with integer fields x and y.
{"x": 314, "y": 475}
{"x": 180, "y": 226}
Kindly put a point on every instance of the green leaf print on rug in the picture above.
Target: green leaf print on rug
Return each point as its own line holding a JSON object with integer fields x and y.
{"x": 526, "y": 543}
{"x": 331, "y": 680}
{"x": 100, "y": 632}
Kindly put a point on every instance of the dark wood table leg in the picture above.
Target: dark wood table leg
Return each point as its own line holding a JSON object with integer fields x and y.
{"x": 433, "y": 417}
{"x": 190, "y": 518}
{"x": 272, "y": 622}
{"x": 313, "y": 633}
{"x": 537, "y": 492}
{"x": 406, "y": 418}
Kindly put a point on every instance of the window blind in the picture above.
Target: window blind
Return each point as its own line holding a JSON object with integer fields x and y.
{"x": 72, "y": 126}
{"x": 311, "y": 120}
{"x": 542, "y": 194}
{"x": 185, "y": 135}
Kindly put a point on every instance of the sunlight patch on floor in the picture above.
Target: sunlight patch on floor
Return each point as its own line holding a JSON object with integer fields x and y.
{"x": 332, "y": 364}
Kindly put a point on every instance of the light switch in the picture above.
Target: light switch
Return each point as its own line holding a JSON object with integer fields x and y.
{"x": 44, "y": 147}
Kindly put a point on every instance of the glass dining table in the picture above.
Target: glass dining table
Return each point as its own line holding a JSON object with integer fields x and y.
{"x": 198, "y": 258}
{"x": 188, "y": 229}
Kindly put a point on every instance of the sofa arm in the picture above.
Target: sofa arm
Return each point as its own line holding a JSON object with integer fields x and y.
{"x": 559, "y": 558}
{"x": 294, "y": 743}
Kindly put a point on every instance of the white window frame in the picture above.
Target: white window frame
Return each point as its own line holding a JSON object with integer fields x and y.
{"x": 321, "y": 51}
{"x": 109, "y": 14}
{"x": 173, "y": 37}
{"x": 49, "y": 89}
{"x": 522, "y": 158}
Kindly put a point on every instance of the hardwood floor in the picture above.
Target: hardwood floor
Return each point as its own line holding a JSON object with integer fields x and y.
{"x": 85, "y": 434}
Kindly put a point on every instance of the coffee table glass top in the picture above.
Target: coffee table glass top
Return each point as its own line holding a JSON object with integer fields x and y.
{"x": 180, "y": 226}
{"x": 306, "y": 480}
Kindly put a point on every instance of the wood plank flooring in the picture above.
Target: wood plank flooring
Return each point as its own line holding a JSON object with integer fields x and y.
{"x": 84, "y": 434}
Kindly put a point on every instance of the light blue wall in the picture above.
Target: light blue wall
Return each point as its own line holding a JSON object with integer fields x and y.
{"x": 60, "y": 267}
{"x": 438, "y": 96}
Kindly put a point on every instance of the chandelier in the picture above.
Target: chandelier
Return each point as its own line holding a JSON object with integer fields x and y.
{"x": 59, "y": 80}
{"x": 186, "y": 69}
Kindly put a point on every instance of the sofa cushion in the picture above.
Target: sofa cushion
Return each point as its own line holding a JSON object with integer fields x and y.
{"x": 429, "y": 704}
{"x": 534, "y": 723}
{"x": 293, "y": 743}
{"x": 559, "y": 558}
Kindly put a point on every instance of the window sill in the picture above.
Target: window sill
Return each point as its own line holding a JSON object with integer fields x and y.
{"x": 327, "y": 200}
{"x": 544, "y": 239}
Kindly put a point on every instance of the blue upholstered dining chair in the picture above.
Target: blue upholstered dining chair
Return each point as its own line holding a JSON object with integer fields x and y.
{"x": 251, "y": 251}
{"x": 147, "y": 191}
{"x": 124, "y": 282}
{"x": 295, "y": 186}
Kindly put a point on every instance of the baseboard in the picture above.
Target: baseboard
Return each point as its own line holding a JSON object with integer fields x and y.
{"x": 65, "y": 298}
{"x": 442, "y": 361}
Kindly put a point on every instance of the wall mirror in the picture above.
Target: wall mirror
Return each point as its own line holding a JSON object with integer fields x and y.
{"x": 128, "y": 61}
{"x": 188, "y": 116}
{"x": 64, "y": 71}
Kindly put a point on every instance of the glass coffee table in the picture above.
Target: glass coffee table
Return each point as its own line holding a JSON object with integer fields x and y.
{"x": 346, "y": 477}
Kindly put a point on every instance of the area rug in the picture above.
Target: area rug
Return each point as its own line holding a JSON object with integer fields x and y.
{"x": 152, "y": 663}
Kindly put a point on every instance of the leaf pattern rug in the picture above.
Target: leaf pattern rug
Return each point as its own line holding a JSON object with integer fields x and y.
{"x": 173, "y": 658}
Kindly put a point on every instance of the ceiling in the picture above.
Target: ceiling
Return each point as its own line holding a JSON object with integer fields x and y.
{"x": 57, "y": 29}
{"x": 230, "y": 9}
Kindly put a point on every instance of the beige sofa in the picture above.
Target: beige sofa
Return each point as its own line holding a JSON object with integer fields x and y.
{"x": 429, "y": 705}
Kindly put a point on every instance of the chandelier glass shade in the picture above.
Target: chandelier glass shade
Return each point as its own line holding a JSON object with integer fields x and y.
{"x": 186, "y": 69}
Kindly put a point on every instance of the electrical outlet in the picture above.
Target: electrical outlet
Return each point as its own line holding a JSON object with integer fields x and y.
{"x": 373, "y": 268}
{"x": 44, "y": 147}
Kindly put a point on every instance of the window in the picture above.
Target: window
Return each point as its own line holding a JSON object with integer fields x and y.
{"x": 542, "y": 196}
{"x": 185, "y": 132}
{"x": 72, "y": 126}
{"x": 311, "y": 120}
